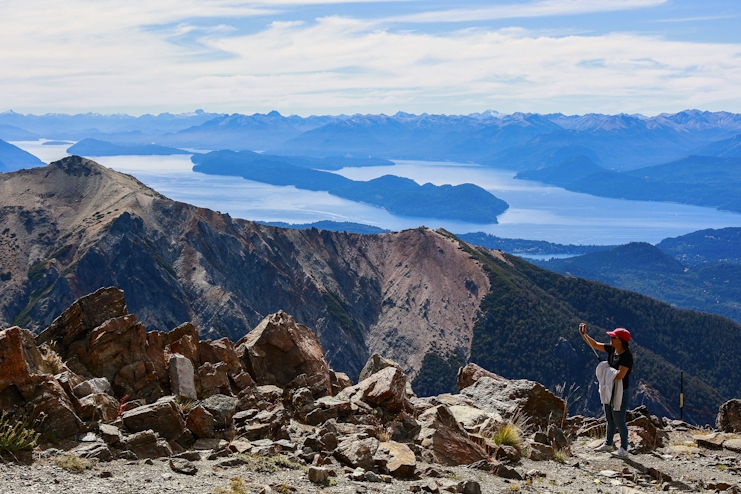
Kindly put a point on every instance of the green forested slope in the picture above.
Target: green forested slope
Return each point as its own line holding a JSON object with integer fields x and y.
{"x": 527, "y": 329}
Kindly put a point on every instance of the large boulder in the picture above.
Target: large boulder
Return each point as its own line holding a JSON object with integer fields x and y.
{"x": 221, "y": 350}
{"x": 279, "y": 350}
{"x": 471, "y": 373}
{"x": 25, "y": 380}
{"x": 396, "y": 458}
{"x": 446, "y": 440}
{"x": 84, "y": 315}
{"x": 527, "y": 399}
{"x": 729, "y": 416}
{"x": 19, "y": 358}
{"x": 117, "y": 350}
{"x": 386, "y": 388}
{"x": 182, "y": 376}
{"x": 163, "y": 417}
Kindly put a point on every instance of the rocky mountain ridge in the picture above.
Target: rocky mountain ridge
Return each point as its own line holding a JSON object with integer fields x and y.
{"x": 105, "y": 394}
{"x": 422, "y": 298}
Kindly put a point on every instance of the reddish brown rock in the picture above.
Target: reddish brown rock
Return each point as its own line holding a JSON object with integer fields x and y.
{"x": 201, "y": 423}
{"x": 471, "y": 373}
{"x": 188, "y": 347}
{"x": 213, "y": 380}
{"x": 163, "y": 417}
{"x": 279, "y": 350}
{"x": 19, "y": 358}
{"x": 220, "y": 351}
{"x": 339, "y": 381}
{"x": 48, "y": 400}
{"x": 386, "y": 388}
{"x": 448, "y": 443}
{"x": 729, "y": 416}
{"x": 649, "y": 438}
{"x": 98, "y": 407}
{"x": 84, "y": 315}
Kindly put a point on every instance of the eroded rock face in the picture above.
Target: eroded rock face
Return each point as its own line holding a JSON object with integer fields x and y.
{"x": 508, "y": 398}
{"x": 163, "y": 417}
{"x": 471, "y": 373}
{"x": 448, "y": 443}
{"x": 182, "y": 377}
{"x": 386, "y": 388}
{"x": 279, "y": 350}
{"x": 84, "y": 315}
{"x": 729, "y": 416}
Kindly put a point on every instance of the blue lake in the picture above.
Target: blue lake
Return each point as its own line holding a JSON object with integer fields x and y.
{"x": 537, "y": 212}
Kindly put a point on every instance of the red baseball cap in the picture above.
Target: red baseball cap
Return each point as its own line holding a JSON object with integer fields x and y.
{"x": 621, "y": 333}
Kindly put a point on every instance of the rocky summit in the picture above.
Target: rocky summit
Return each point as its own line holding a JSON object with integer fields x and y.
{"x": 121, "y": 409}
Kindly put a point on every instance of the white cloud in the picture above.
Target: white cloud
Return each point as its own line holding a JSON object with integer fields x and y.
{"x": 543, "y": 8}
{"x": 105, "y": 61}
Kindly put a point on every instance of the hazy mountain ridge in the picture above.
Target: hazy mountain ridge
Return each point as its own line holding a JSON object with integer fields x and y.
{"x": 423, "y": 298}
{"x": 519, "y": 141}
{"x": 700, "y": 271}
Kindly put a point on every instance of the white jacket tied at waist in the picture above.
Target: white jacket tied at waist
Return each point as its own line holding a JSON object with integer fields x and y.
{"x": 606, "y": 379}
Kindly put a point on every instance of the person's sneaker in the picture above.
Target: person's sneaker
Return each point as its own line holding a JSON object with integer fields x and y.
{"x": 620, "y": 453}
{"x": 605, "y": 448}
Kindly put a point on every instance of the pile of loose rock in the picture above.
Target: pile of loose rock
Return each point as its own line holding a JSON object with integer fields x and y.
{"x": 97, "y": 376}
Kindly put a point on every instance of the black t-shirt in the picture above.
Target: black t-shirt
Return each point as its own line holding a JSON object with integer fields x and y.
{"x": 625, "y": 359}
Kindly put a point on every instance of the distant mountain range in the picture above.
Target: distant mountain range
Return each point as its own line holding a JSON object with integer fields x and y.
{"x": 699, "y": 271}
{"x": 698, "y": 180}
{"x": 520, "y": 141}
{"x": 402, "y": 196}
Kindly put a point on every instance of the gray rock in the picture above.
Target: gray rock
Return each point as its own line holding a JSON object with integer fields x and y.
{"x": 540, "y": 452}
{"x": 222, "y": 408}
{"x": 729, "y": 416}
{"x": 109, "y": 433}
{"x": 97, "y": 385}
{"x": 182, "y": 376}
{"x": 181, "y": 465}
{"x": 146, "y": 444}
{"x": 318, "y": 475}
{"x": 509, "y": 398}
{"x": 98, "y": 451}
{"x": 471, "y": 487}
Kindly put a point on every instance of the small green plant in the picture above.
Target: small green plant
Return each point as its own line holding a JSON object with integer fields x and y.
{"x": 16, "y": 433}
{"x": 560, "y": 455}
{"x": 236, "y": 486}
{"x": 73, "y": 463}
{"x": 721, "y": 467}
{"x": 453, "y": 476}
{"x": 514, "y": 488}
{"x": 331, "y": 482}
{"x": 508, "y": 435}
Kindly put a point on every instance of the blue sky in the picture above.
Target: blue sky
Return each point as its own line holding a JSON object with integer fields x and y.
{"x": 304, "y": 57}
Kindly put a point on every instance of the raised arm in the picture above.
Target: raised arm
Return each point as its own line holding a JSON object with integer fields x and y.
{"x": 590, "y": 341}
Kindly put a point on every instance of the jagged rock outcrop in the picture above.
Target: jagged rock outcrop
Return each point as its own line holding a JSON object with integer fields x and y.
{"x": 729, "y": 416}
{"x": 520, "y": 397}
{"x": 278, "y": 351}
{"x": 374, "y": 427}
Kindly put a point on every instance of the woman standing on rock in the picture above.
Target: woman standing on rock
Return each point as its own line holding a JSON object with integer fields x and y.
{"x": 619, "y": 358}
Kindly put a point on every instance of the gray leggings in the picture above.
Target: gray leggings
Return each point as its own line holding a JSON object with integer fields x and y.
{"x": 616, "y": 420}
